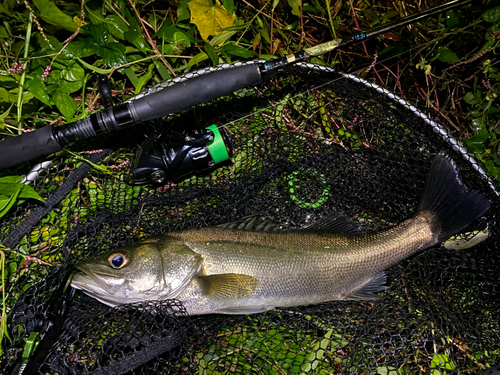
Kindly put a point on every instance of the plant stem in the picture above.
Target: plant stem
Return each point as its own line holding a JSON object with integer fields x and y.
{"x": 23, "y": 75}
{"x": 329, "y": 10}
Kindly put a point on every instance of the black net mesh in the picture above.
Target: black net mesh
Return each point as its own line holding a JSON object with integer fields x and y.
{"x": 308, "y": 143}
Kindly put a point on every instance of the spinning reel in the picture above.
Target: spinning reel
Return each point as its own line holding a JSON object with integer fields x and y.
{"x": 161, "y": 159}
{"x": 164, "y": 158}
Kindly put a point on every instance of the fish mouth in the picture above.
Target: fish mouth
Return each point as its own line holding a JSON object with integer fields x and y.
{"x": 94, "y": 284}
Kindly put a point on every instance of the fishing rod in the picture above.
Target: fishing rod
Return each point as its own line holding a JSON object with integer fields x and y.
{"x": 177, "y": 98}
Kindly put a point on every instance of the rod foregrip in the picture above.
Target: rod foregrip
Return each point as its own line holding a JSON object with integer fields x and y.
{"x": 201, "y": 89}
{"x": 27, "y": 146}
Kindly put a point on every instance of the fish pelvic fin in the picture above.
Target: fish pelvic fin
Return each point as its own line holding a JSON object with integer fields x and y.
{"x": 245, "y": 310}
{"x": 228, "y": 286}
{"x": 451, "y": 205}
{"x": 367, "y": 292}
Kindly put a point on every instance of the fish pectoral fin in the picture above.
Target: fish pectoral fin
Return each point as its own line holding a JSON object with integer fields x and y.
{"x": 244, "y": 310}
{"x": 228, "y": 286}
{"x": 368, "y": 290}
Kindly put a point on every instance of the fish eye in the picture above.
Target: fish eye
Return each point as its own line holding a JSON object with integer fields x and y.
{"x": 117, "y": 260}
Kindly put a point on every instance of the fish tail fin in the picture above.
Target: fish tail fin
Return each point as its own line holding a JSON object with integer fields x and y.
{"x": 446, "y": 197}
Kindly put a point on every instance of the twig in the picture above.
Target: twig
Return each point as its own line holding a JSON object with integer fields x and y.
{"x": 153, "y": 45}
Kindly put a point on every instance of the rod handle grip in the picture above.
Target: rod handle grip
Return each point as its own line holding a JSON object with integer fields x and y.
{"x": 27, "y": 146}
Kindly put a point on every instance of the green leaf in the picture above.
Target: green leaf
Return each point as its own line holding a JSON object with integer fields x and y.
{"x": 391, "y": 51}
{"x": 6, "y": 202}
{"x": 69, "y": 87}
{"x": 164, "y": 72}
{"x": 73, "y": 72}
{"x": 222, "y": 37}
{"x": 11, "y": 96}
{"x": 196, "y": 59}
{"x": 65, "y": 104}
{"x": 229, "y": 5}
{"x": 180, "y": 41}
{"x": 5, "y": 96}
{"x": 441, "y": 361}
{"x": 3, "y": 32}
{"x": 167, "y": 31}
{"x": 5, "y": 10}
{"x": 114, "y": 54}
{"x": 495, "y": 171}
{"x": 211, "y": 53}
{"x": 10, "y": 179}
{"x": 25, "y": 191}
{"x": 12, "y": 192}
{"x": 38, "y": 88}
{"x": 100, "y": 34}
{"x": 167, "y": 49}
{"x": 295, "y": 4}
{"x": 50, "y": 13}
{"x": 388, "y": 370}
{"x": 492, "y": 15}
{"x": 94, "y": 15}
{"x": 4, "y": 115}
{"x": 82, "y": 48}
{"x": 481, "y": 135}
{"x": 447, "y": 55}
{"x": 469, "y": 98}
{"x": 134, "y": 36}
{"x": 116, "y": 26}
{"x": 183, "y": 12}
{"x": 453, "y": 20}
{"x": 10, "y": 79}
{"x": 232, "y": 49}
{"x": 129, "y": 72}
{"x": 146, "y": 77}
{"x": 472, "y": 98}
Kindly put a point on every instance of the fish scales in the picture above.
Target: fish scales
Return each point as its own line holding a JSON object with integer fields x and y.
{"x": 316, "y": 267}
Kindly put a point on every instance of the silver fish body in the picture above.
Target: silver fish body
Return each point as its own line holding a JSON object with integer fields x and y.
{"x": 231, "y": 271}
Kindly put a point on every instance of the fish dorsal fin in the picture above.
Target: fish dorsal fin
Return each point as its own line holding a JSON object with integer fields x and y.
{"x": 335, "y": 223}
{"x": 367, "y": 291}
{"x": 228, "y": 286}
{"x": 255, "y": 223}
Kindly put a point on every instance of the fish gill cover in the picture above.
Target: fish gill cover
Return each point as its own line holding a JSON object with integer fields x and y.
{"x": 327, "y": 144}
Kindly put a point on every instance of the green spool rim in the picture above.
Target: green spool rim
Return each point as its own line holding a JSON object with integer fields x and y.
{"x": 319, "y": 177}
{"x": 217, "y": 147}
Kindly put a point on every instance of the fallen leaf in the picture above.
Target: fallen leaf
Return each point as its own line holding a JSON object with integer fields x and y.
{"x": 209, "y": 17}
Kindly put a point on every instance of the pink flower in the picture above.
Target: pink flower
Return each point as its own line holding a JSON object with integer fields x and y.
{"x": 16, "y": 68}
{"x": 46, "y": 72}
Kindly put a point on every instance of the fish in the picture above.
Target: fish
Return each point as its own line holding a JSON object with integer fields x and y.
{"x": 222, "y": 270}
